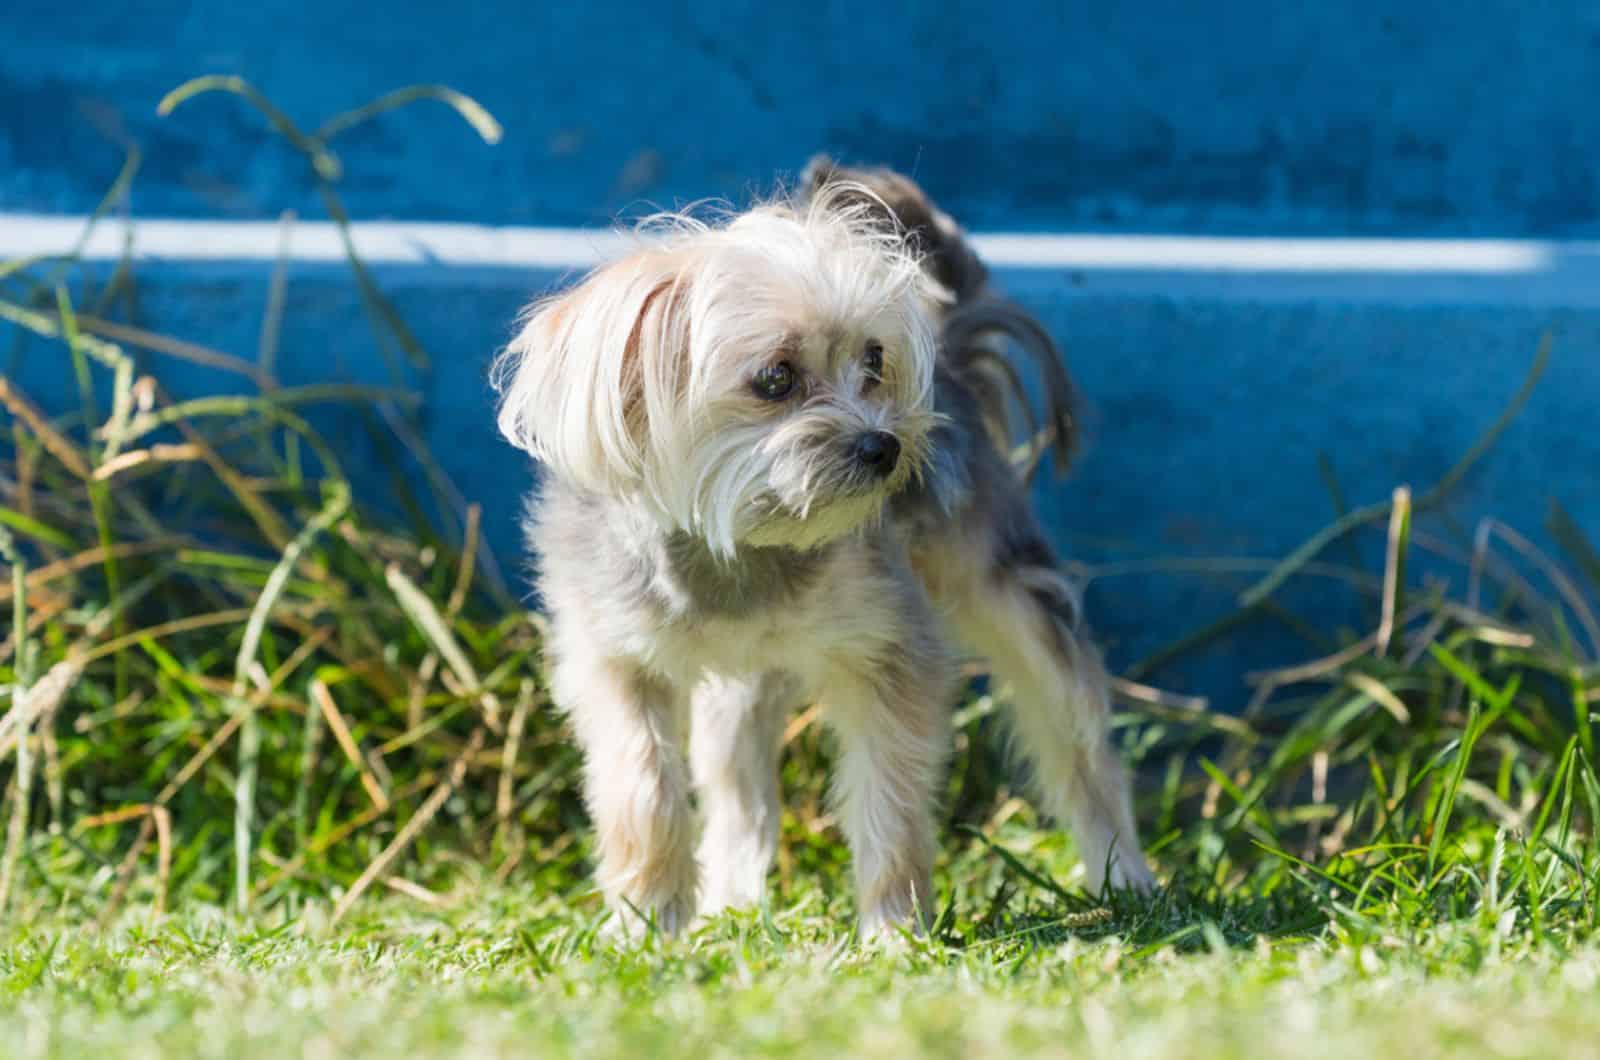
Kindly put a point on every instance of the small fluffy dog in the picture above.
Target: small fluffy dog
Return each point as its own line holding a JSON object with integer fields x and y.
{"x": 776, "y": 474}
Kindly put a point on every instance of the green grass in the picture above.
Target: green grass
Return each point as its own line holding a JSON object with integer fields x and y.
{"x": 279, "y": 776}
{"x": 502, "y": 976}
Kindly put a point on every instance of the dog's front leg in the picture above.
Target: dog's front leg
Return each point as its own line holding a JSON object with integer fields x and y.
{"x": 636, "y": 784}
{"x": 893, "y": 731}
{"x": 734, "y": 741}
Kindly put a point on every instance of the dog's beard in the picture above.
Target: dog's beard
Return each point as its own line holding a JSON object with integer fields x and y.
{"x": 797, "y": 487}
{"x": 805, "y": 503}
{"x": 824, "y": 523}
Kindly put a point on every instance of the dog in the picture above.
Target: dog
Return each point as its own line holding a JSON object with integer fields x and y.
{"x": 774, "y": 448}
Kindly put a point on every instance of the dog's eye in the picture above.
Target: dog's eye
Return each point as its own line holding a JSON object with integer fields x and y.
{"x": 872, "y": 361}
{"x": 774, "y": 382}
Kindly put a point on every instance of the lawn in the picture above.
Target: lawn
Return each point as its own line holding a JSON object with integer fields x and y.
{"x": 503, "y": 974}
{"x": 280, "y": 777}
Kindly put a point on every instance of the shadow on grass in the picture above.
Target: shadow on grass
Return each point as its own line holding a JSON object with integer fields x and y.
{"x": 1188, "y": 914}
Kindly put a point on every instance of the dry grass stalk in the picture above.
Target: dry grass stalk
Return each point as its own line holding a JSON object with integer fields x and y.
{"x": 347, "y": 743}
{"x": 425, "y": 813}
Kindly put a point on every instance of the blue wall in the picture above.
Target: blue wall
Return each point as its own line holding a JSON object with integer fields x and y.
{"x": 1237, "y": 115}
{"x": 1213, "y": 397}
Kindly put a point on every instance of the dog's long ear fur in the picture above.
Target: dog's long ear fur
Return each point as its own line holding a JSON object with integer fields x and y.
{"x": 591, "y": 368}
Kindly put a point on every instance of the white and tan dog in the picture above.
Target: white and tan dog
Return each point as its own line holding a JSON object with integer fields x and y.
{"x": 774, "y": 477}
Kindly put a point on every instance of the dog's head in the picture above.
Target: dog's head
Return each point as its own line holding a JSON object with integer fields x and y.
{"x": 766, "y": 380}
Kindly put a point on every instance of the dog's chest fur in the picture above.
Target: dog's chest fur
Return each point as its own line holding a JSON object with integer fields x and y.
{"x": 693, "y": 584}
{"x": 667, "y": 601}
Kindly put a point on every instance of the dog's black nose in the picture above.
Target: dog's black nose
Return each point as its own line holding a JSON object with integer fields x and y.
{"x": 878, "y": 450}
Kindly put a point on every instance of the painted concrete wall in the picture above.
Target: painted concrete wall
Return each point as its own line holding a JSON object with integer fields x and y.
{"x": 1213, "y": 394}
{"x": 1237, "y": 115}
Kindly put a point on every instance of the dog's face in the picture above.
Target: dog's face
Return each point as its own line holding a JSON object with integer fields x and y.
{"x": 766, "y": 382}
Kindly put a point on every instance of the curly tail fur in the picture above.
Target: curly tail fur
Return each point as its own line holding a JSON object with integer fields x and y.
{"x": 969, "y": 342}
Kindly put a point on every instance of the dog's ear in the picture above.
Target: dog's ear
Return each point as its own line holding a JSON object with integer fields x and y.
{"x": 579, "y": 383}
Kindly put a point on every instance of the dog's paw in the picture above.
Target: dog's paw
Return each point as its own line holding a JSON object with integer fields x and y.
{"x": 1128, "y": 872}
{"x": 629, "y": 926}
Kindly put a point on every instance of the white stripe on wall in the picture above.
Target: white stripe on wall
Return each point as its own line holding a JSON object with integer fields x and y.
{"x": 429, "y": 243}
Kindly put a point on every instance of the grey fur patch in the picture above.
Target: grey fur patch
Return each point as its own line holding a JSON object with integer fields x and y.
{"x": 754, "y": 579}
{"x": 676, "y": 575}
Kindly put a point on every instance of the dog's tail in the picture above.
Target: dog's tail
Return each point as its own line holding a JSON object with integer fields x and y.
{"x": 981, "y": 324}
{"x": 973, "y": 341}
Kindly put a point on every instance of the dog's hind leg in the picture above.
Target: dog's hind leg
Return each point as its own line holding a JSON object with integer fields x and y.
{"x": 735, "y": 728}
{"x": 1014, "y": 607}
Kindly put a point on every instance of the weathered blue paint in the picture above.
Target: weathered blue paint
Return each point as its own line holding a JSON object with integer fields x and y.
{"x": 1243, "y": 115}
{"x": 1213, "y": 396}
